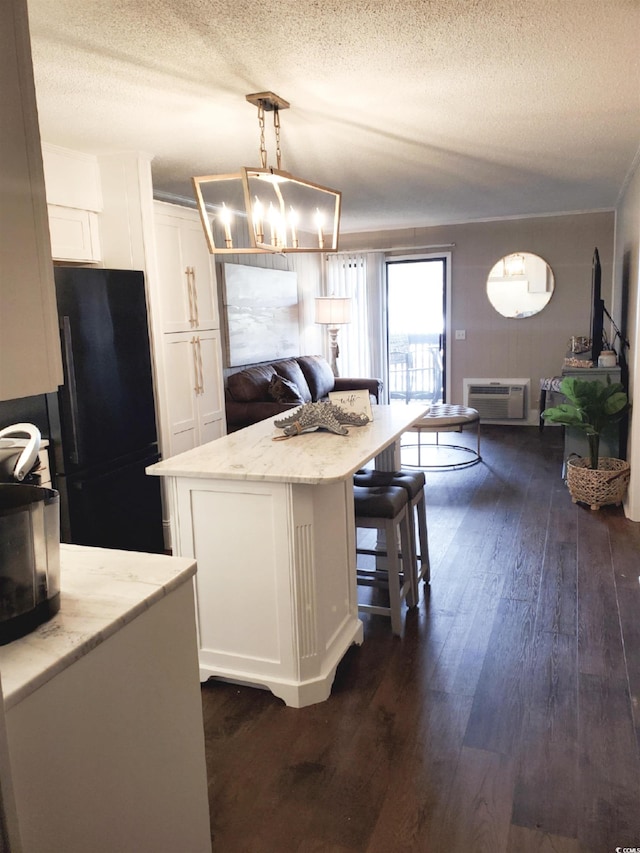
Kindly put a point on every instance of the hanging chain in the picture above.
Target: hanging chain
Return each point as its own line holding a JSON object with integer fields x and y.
{"x": 263, "y": 147}
{"x": 276, "y": 124}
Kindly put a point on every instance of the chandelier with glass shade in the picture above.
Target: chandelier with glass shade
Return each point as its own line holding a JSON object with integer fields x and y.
{"x": 265, "y": 209}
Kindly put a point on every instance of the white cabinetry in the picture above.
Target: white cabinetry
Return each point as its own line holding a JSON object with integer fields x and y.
{"x": 271, "y": 525}
{"x": 29, "y": 342}
{"x": 74, "y": 197}
{"x": 185, "y": 305}
{"x": 104, "y": 726}
{"x": 195, "y": 401}
{"x": 74, "y": 234}
{"x": 187, "y": 283}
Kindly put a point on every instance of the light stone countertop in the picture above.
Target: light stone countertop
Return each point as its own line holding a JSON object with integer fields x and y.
{"x": 314, "y": 457}
{"x": 102, "y": 590}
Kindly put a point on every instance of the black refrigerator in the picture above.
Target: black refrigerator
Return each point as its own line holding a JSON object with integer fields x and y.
{"x": 104, "y": 413}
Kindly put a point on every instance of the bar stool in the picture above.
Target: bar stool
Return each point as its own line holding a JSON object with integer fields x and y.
{"x": 385, "y": 508}
{"x": 413, "y": 482}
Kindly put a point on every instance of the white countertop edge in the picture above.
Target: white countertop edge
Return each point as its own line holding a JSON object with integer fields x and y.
{"x": 102, "y": 590}
{"x": 313, "y": 458}
{"x": 254, "y": 478}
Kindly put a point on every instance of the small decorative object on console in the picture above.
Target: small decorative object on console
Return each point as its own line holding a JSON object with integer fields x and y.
{"x": 579, "y": 343}
{"x": 313, "y": 416}
{"x": 577, "y": 362}
{"x": 607, "y": 358}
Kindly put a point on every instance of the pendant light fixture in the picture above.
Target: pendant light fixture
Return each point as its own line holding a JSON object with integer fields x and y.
{"x": 514, "y": 265}
{"x": 264, "y": 209}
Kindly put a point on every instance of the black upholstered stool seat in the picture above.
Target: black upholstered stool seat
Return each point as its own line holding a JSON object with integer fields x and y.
{"x": 386, "y": 508}
{"x": 379, "y": 501}
{"x": 413, "y": 482}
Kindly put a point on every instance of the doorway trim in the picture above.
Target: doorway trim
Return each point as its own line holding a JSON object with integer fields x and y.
{"x": 431, "y": 256}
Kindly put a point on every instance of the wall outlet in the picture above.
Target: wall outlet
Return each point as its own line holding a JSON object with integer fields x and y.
{"x": 461, "y": 335}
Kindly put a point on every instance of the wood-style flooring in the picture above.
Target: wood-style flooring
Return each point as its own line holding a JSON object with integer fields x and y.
{"x": 506, "y": 719}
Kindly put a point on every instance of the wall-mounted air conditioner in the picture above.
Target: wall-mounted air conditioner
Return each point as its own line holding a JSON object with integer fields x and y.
{"x": 497, "y": 399}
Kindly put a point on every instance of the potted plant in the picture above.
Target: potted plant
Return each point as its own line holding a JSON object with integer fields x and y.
{"x": 592, "y": 406}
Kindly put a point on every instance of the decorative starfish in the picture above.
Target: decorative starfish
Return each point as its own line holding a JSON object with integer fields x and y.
{"x": 313, "y": 416}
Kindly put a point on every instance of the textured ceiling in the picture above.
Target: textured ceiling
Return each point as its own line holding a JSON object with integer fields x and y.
{"x": 421, "y": 111}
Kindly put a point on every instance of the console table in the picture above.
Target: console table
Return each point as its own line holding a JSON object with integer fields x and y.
{"x": 271, "y": 524}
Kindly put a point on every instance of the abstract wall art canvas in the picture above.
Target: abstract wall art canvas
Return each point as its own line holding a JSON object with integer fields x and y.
{"x": 261, "y": 313}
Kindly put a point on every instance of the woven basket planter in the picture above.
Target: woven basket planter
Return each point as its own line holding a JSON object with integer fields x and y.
{"x": 597, "y": 487}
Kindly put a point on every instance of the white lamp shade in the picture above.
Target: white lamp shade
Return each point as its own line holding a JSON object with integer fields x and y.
{"x": 333, "y": 310}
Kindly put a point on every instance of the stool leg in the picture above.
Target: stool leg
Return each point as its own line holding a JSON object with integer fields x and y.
{"x": 394, "y": 579}
{"x": 425, "y": 564}
{"x": 410, "y": 565}
{"x": 543, "y": 406}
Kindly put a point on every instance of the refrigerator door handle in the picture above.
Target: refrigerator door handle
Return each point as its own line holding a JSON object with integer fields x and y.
{"x": 73, "y": 393}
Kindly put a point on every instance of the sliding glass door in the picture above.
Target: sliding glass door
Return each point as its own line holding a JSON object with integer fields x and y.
{"x": 416, "y": 329}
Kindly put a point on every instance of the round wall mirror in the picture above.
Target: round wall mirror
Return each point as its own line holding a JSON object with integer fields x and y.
{"x": 520, "y": 285}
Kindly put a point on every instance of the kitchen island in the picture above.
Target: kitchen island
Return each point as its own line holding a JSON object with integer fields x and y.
{"x": 271, "y": 524}
{"x": 104, "y": 746}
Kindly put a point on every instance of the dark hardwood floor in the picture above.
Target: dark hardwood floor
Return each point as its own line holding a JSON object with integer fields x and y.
{"x": 506, "y": 719}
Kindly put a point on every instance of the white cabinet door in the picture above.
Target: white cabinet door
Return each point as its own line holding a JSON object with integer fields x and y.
{"x": 30, "y": 360}
{"x": 187, "y": 295}
{"x": 174, "y": 287}
{"x": 211, "y": 415}
{"x": 130, "y": 706}
{"x": 74, "y": 234}
{"x": 193, "y": 389}
{"x": 203, "y": 280}
{"x": 180, "y": 369}
{"x": 72, "y": 178}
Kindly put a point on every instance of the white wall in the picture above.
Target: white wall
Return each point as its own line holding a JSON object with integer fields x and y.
{"x": 497, "y": 346}
{"x": 627, "y": 310}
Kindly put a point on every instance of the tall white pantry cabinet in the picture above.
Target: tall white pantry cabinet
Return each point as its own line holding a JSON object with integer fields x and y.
{"x": 186, "y": 299}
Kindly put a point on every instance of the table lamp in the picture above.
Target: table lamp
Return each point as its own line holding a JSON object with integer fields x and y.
{"x": 333, "y": 311}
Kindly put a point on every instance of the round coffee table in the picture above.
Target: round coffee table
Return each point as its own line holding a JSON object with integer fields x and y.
{"x": 444, "y": 417}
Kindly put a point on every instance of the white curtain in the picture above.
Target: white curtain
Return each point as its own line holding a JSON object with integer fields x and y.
{"x": 360, "y": 277}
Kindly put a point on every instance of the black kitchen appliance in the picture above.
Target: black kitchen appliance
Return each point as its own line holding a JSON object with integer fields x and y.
{"x": 104, "y": 413}
{"x": 29, "y": 558}
{"x": 29, "y": 536}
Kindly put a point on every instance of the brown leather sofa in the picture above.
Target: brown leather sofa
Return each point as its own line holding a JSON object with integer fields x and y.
{"x": 269, "y": 389}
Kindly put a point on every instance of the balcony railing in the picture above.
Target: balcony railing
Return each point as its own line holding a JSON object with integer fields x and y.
{"x": 415, "y": 368}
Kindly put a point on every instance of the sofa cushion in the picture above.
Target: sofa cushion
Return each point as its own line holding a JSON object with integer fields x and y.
{"x": 290, "y": 369}
{"x": 318, "y": 374}
{"x": 284, "y": 390}
{"x": 251, "y": 385}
